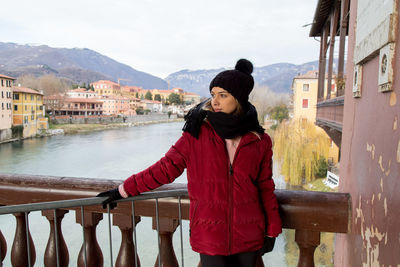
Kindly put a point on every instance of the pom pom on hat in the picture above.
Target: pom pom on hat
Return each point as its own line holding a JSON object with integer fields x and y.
{"x": 244, "y": 65}
{"x": 237, "y": 82}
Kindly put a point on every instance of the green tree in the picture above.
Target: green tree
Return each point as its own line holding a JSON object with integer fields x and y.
{"x": 137, "y": 95}
{"x": 148, "y": 96}
{"x": 139, "y": 111}
{"x": 279, "y": 113}
{"x": 174, "y": 99}
{"x": 301, "y": 148}
{"x": 157, "y": 97}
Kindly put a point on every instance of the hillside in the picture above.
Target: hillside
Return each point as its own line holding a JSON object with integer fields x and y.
{"x": 76, "y": 65}
{"x": 278, "y": 77}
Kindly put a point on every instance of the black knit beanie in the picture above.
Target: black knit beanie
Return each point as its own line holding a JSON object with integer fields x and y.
{"x": 237, "y": 82}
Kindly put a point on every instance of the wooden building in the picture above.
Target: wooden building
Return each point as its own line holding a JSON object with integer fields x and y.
{"x": 364, "y": 120}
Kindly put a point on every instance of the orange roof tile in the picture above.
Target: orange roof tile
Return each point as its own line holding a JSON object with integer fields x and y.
{"x": 26, "y": 90}
{"x": 312, "y": 74}
{"x": 189, "y": 93}
{"x": 81, "y": 90}
{"x": 6, "y": 77}
{"x": 106, "y": 81}
{"x": 83, "y": 100}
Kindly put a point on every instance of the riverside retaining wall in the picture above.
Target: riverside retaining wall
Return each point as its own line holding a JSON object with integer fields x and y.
{"x": 108, "y": 120}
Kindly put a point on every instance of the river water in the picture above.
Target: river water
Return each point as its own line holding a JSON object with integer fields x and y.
{"x": 111, "y": 154}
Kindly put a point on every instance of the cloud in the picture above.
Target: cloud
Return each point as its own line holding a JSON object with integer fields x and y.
{"x": 161, "y": 37}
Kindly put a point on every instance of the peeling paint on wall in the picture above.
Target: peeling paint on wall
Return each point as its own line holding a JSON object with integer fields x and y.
{"x": 386, "y": 171}
{"x": 395, "y": 123}
{"x": 385, "y": 206}
{"x": 372, "y": 237}
{"x": 359, "y": 213}
{"x": 371, "y": 148}
{"x": 392, "y": 99}
{"x": 398, "y": 152}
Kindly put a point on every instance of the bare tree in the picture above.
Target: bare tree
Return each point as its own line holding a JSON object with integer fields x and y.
{"x": 28, "y": 80}
{"x": 51, "y": 85}
{"x": 264, "y": 99}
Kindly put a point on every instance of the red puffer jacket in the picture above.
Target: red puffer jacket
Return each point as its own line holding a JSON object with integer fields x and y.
{"x": 227, "y": 203}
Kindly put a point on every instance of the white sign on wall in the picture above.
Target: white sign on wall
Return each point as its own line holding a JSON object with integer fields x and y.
{"x": 375, "y": 27}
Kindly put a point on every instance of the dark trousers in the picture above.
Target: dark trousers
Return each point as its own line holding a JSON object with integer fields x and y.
{"x": 245, "y": 259}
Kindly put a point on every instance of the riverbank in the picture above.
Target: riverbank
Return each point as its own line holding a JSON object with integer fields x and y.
{"x": 81, "y": 128}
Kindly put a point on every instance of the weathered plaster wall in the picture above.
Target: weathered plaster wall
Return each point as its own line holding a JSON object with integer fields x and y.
{"x": 370, "y": 165}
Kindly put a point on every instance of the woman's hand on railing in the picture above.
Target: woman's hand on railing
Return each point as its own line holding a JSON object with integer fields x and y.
{"x": 112, "y": 195}
{"x": 269, "y": 243}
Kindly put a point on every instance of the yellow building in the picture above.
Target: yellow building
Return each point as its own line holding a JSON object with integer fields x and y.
{"x": 305, "y": 89}
{"x": 5, "y": 107}
{"x": 305, "y": 94}
{"x": 28, "y": 110}
{"x": 106, "y": 88}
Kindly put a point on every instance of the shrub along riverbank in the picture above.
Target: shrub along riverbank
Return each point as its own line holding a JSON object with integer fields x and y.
{"x": 80, "y": 128}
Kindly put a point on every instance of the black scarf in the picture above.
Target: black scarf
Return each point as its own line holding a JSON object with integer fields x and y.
{"x": 226, "y": 125}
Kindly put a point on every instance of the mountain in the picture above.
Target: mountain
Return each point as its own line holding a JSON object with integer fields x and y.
{"x": 278, "y": 77}
{"x": 78, "y": 65}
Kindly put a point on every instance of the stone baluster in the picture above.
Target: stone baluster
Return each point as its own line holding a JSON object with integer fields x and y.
{"x": 19, "y": 250}
{"x": 3, "y": 248}
{"x": 93, "y": 251}
{"x": 167, "y": 228}
{"x": 50, "y": 255}
{"x": 307, "y": 240}
{"x": 126, "y": 255}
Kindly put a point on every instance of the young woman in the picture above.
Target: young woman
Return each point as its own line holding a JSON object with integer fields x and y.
{"x": 229, "y": 170}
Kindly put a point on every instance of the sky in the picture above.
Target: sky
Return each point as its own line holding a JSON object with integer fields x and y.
{"x": 164, "y": 36}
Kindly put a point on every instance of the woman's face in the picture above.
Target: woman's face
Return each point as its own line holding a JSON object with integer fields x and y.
{"x": 222, "y": 101}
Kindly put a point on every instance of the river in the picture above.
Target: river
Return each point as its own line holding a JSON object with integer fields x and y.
{"x": 110, "y": 154}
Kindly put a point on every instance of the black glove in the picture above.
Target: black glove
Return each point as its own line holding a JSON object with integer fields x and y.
{"x": 269, "y": 243}
{"x": 112, "y": 195}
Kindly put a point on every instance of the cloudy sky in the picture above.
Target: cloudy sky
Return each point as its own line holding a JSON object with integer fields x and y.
{"x": 164, "y": 36}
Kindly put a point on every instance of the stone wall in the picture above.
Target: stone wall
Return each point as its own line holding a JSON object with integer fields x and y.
{"x": 108, "y": 120}
{"x": 5, "y": 134}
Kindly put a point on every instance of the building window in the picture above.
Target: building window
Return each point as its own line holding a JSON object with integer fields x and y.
{"x": 16, "y": 96}
{"x": 2, "y": 94}
{"x": 306, "y": 87}
{"x": 25, "y": 119}
{"x": 305, "y": 103}
{"x": 15, "y": 108}
{"x": 2, "y": 83}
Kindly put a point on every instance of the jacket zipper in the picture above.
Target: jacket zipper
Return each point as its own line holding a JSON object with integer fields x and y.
{"x": 230, "y": 207}
{"x": 230, "y": 195}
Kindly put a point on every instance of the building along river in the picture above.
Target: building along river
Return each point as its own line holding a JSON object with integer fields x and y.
{"x": 110, "y": 154}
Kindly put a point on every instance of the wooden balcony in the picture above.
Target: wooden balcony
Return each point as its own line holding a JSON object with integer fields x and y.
{"x": 330, "y": 117}
{"x": 309, "y": 213}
